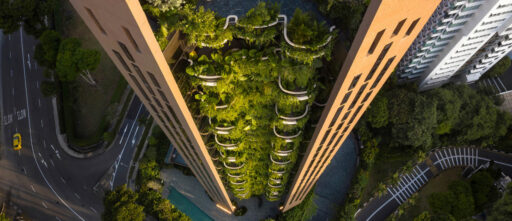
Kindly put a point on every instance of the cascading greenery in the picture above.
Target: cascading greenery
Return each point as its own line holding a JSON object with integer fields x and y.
{"x": 256, "y": 97}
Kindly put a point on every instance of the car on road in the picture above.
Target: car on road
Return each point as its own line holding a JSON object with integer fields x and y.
{"x": 16, "y": 141}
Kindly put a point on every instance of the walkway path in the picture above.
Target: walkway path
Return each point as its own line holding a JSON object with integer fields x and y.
{"x": 380, "y": 208}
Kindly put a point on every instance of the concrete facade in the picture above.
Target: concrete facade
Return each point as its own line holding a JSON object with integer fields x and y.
{"x": 121, "y": 27}
{"x": 388, "y": 29}
{"x": 454, "y": 35}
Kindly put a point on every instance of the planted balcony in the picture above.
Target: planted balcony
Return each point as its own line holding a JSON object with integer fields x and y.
{"x": 307, "y": 39}
{"x": 207, "y": 70}
{"x": 259, "y": 25}
{"x": 203, "y": 27}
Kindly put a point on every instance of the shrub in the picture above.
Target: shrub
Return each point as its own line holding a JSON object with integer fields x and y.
{"x": 240, "y": 211}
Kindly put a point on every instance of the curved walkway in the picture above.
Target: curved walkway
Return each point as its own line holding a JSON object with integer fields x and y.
{"x": 379, "y": 208}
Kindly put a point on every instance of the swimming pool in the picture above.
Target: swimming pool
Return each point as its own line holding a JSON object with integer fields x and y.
{"x": 186, "y": 206}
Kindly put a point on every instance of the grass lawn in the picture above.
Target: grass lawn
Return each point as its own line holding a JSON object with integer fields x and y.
{"x": 92, "y": 106}
{"x": 386, "y": 163}
{"x": 438, "y": 184}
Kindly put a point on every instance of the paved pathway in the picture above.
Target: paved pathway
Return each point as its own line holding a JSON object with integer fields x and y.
{"x": 380, "y": 208}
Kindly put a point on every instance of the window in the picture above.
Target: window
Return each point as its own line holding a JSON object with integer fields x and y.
{"x": 376, "y": 41}
{"x": 325, "y": 136}
{"x": 411, "y": 28}
{"x": 141, "y": 76}
{"x": 345, "y": 99}
{"x": 383, "y": 71}
{"x": 130, "y": 37}
{"x": 126, "y": 51}
{"x": 354, "y": 82}
{"x": 121, "y": 60}
{"x": 95, "y": 20}
{"x": 358, "y": 95}
{"x": 335, "y": 118}
{"x": 153, "y": 79}
{"x": 137, "y": 84}
{"x": 398, "y": 27}
{"x": 378, "y": 61}
{"x": 366, "y": 97}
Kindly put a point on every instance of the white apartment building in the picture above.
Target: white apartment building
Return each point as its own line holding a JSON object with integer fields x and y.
{"x": 457, "y": 31}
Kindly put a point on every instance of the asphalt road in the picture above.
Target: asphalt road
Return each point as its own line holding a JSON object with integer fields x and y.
{"x": 45, "y": 182}
{"x": 380, "y": 208}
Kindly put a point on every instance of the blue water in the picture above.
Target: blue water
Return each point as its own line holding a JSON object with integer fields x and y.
{"x": 240, "y": 7}
{"x": 334, "y": 183}
{"x": 186, "y": 206}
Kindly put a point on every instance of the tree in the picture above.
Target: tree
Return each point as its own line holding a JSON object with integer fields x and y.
{"x": 482, "y": 185}
{"x": 441, "y": 202}
{"x": 377, "y": 114}
{"x": 3, "y": 217}
{"x": 448, "y": 106}
{"x": 33, "y": 14}
{"x": 499, "y": 68}
{"x": 120, "y": 206}
{"x": 73, "y": 61}
{"x": 166, "y": 5}
{"x": 502, "y": 210}
{"x": 303, "y": 211}
{"x": 87, "y": 61}
{"x": 464, "y": 204}
{"x": 47, "y": 49}
{"x": 424, "y": 216}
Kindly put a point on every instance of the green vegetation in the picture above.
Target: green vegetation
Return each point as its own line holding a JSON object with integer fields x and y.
{"x": 120, "y": 204}
{"x": 253, "y": 100}
{"x": 303, "y": 211}
{"x": 502, "y": 210}
{"x": 348, "y": 14}
{"x": 29, "y": 13}
{"x": 499, "y": 68}
{"x": 148, "y": 197}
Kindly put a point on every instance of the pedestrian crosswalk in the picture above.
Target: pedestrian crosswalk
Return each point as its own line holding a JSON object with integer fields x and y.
{"x": 408, "y": 184}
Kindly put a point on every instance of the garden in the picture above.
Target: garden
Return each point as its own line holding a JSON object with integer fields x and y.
{"x": 252, "y": 82}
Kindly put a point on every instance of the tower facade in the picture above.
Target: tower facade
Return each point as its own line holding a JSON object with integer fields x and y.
{"x": 237, "y": 115}
{"x": 387, "y": 30}
{"x": 122, "y": 29}
{"x": 456, "y": 32}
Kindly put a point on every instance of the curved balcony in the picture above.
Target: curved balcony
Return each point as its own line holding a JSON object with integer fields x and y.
{"x": 274, "y": 186}
{"x": 224, "y": 145}
{"x": 277, "y": 172}
{"x": 274, "y": 180}
{"x": 242, "y": 182}
{"x": 242, "y": 195}
{"x": 215, "y": 155}
{"x": 287, "y": 138}
{"x": 291, "y": 120}
{"x": 283, "y": 153}
{"x": 280, "y": 162}
{"x": 239, "y": 189}
{"x": 301, "y": 95}
{"x": 233, "y": 166}
{"x": 234, "y": 175}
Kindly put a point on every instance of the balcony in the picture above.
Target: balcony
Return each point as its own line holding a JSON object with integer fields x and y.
{"x": 281, "y": 161}
{"x": 233, "y": 165}
{"x": 226, "y": 146}
{"x": 300, "y": 93}
{"x": 291, "y": 120}
{"x": 287, "y": 136}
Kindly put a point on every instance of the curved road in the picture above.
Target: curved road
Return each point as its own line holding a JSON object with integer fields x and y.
{"x": 41, "y": 179}
{"x": 380, "y": 208}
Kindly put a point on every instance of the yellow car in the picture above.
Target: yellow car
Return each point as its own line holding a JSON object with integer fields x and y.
{"x": 16, "y": 141}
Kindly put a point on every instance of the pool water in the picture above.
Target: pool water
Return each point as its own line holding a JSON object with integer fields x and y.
{"x": 186, "y": 206}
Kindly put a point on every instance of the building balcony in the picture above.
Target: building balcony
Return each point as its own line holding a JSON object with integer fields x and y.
{"x": 300, "y": 93}
{"x": 281, "y": 161}
{"x": 291, "y": 119}
{"x": 233, "y": 165}
{"x": 287, "y": 136}
{"x": 224, "y": 144}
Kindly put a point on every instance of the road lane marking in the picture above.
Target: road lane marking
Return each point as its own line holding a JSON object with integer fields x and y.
{"x": 57, "y": 218}
{"x": 42, "y": 123}
{"x": 39, "y": 101}
{"x": 30, "y": 134}
{"x": 51, "y": 161}
{"x": 118, "y": 160}
{"x": 12, "y": 91}
{"x": 62, "y": 179}
{"x": 121, "y": 140}
{"x": 135, "y": 135}
{"x": 44, "y": 204}
{"x": 56, "y": 151}
{"x": 77, "y": 196}
{"x": 32, "y": 186}
{"x": 28, "y": 61}
{"x": 24, "y": 170}
{"x": 93, "y": 210}
{"x": 12, "y": 73}
{"x": 37, "y": 84}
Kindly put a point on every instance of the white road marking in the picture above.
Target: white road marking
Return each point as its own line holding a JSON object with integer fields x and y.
{"x": 135, "y": 135}
{"x": 12, "y": 91}
{"x": 42, "y": 123}
{"x": 24, "y": 170}
{"x": 77, "y": 196}
{"x": 39, "y": 101}
{"x": 32, "y": 186}
{"x": 30, "y": 134}
{"x": 12, "y": 73}
{"x": 93, "y": 210}
{"x": 62, "y": 179}
{"x": 9, "y": 37}
{"x": 28, "y": 61}
{"x": 118, "y": 160}
{"x": 57, "y": 218}
{"x": 51, "y": 161}
{"x": 56, "y": 151}
{"x": 21, "y": 114}
{"x": 44, "y": 204}
{"x": 121, "y": 140}
{"x": 37, "y": 84}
